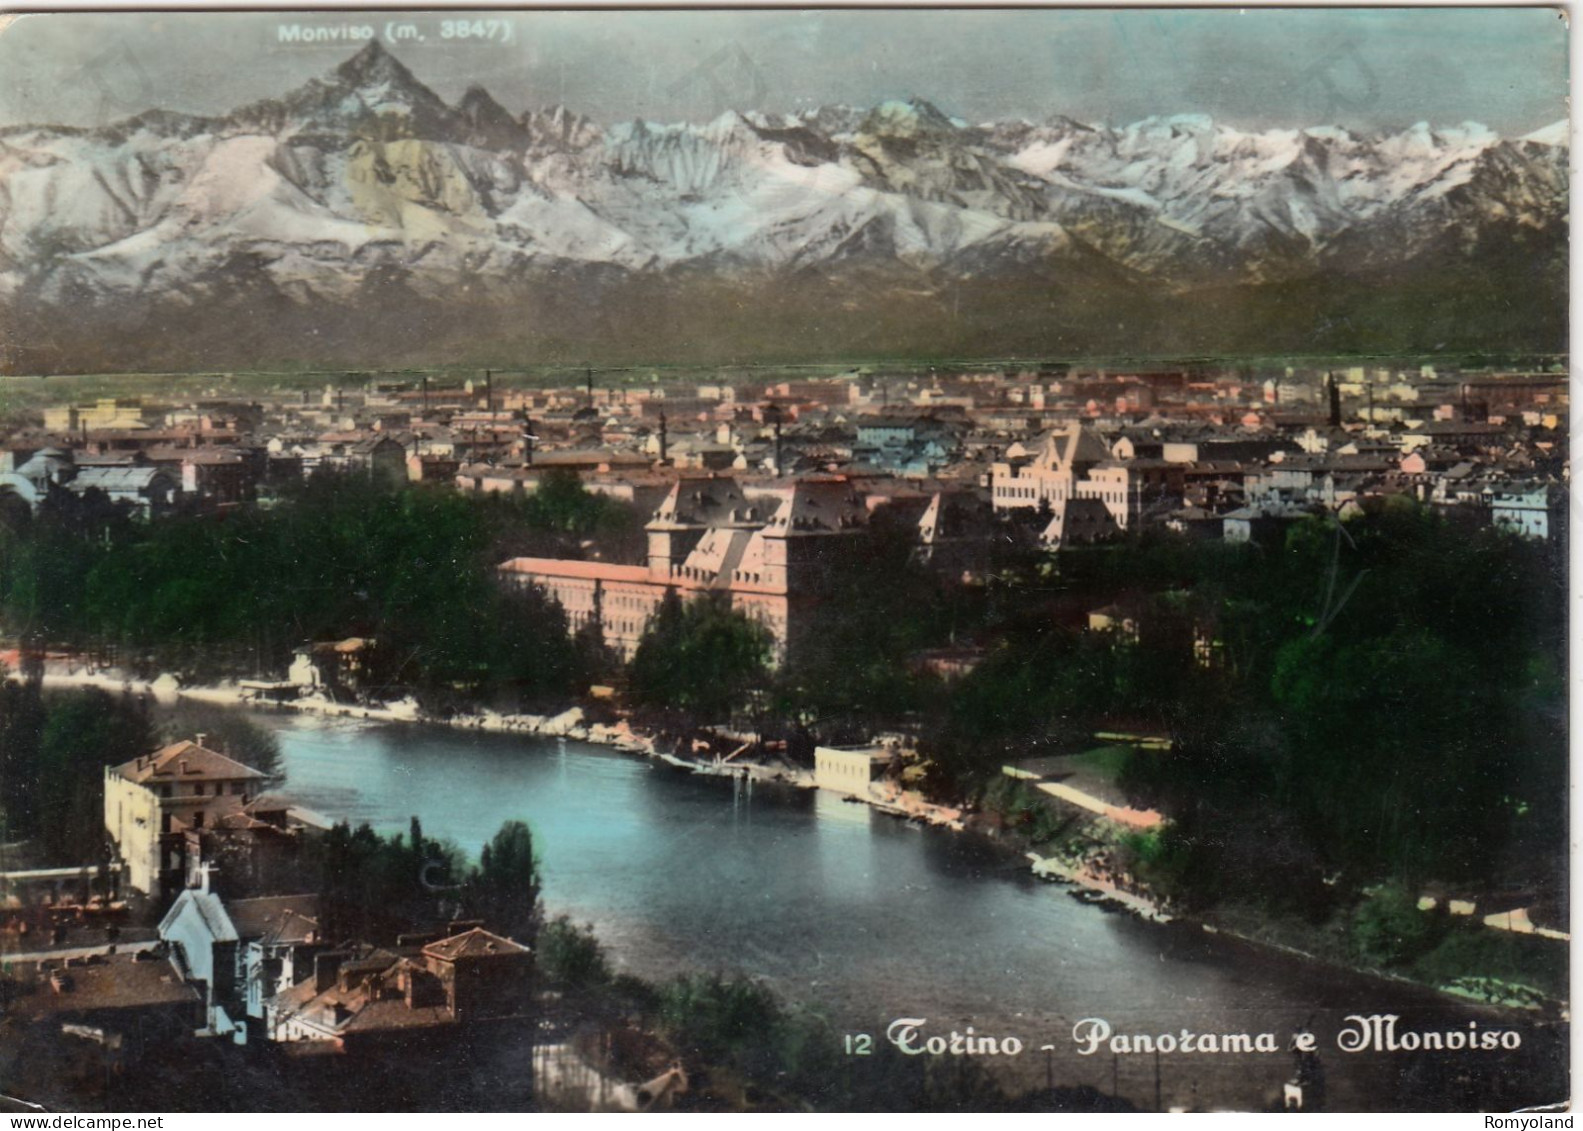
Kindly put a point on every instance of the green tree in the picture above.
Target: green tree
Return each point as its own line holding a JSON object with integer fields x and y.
{"x": 699, "y": 658}
{"x": 560, "y": 503}
{"x": 22, "y": 719}
{"x": 376, "y": 888}
{"x": 570, "y": 956}
{"x": 720, "y": 1021}
{"x": 1388, "y": 929}
{"x": 85, "y": 732}
{"x": 339, "y": 556}
{"x": 1040, "y": 692}
{"x": 850, "y": 662}
{"x": 504, "y": 889}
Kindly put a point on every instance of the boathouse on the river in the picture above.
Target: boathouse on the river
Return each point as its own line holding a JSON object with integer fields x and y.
{"x": 850, "y": 769}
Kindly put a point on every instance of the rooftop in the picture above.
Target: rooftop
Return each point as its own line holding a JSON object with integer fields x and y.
{"x": 185, "y": 761}
{"x": 117, "y": 981}
{"x": 276, "y": 918}
{"x": 561, "y": 567}
{"x": 475, "y": 943}
{"x": 208, "y": 907}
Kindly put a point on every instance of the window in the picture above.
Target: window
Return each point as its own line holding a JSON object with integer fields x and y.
{"x": 197, "y": 789}
{"x": 164, "y": 791}
{"x": 197, "y": 819}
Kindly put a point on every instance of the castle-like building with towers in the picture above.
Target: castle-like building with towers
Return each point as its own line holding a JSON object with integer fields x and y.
{"x": 772, "y": 553}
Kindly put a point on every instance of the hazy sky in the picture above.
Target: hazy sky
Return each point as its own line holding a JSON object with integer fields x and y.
{"x": 1362, "y": 68}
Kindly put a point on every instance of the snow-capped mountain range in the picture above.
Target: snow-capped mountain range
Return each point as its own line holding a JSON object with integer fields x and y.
{"x": 365, "y": 180}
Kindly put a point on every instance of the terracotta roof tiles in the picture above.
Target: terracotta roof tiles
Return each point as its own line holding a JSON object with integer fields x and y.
{"x": 185, "y": 761}
{"x": 475, "y": 943}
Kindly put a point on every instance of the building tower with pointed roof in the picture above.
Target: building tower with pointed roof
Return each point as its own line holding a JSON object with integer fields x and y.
{"x": 772, "y": 557}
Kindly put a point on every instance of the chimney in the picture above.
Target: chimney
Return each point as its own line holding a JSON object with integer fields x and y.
{"x": 198, "y": 740}
{"x": 664, "y": 438}
{"x": 325, "y": 968}
{"x": 489, "y": 394}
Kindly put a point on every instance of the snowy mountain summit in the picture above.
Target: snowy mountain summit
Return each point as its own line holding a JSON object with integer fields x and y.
{"x": 364, "y": 187}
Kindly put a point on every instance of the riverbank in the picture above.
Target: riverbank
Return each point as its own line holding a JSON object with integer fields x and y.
{"x": 1110, "y": 888}
{"x": 1469, "y": 960}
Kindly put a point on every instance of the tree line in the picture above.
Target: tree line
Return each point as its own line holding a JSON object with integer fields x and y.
{"x": 1376, "y": 698}
{"x": 375, "y": 888}
{"x": 1380, "y": 696}
{"x": 338, "y": 556}
{"x": 54, "y": 749}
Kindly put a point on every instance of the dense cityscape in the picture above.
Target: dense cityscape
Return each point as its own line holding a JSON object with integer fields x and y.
{"x": 896, "y": 560}
{"x": 1269, "y": 650}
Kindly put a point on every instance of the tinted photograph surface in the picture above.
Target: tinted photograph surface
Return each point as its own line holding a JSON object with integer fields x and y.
{"x": 934, "y": 560}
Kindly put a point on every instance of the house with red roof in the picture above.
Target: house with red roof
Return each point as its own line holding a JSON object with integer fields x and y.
{"x": 365, "y": 994}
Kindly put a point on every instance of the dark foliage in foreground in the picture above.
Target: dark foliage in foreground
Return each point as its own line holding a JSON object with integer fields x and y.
{"x": 339, "y": 556}
{"x": 1379, "y": 698}
{"x": 375, "y": 888}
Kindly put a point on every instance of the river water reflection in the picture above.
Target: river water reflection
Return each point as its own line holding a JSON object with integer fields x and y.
{"x": 870, "y": 920}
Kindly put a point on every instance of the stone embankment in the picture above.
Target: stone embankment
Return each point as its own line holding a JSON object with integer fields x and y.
{"x": 1104, "y": 886}
{"x": 571, "y": 723}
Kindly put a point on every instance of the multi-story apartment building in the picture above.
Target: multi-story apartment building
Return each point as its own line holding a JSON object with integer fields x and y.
{"x": 151, "y": 802}
{"x": 1088, "y": 493}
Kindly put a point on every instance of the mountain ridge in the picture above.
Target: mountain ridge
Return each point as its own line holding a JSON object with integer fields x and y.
{"x": 364, "y": 180}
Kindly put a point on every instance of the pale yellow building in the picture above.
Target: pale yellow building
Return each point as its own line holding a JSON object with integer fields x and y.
{"x": 152, "y": 802}
{"x": 850, "y": 769}
{"x": 105, "y": 414}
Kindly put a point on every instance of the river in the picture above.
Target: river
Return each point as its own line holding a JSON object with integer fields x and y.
{"x": 870, "y": 920}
